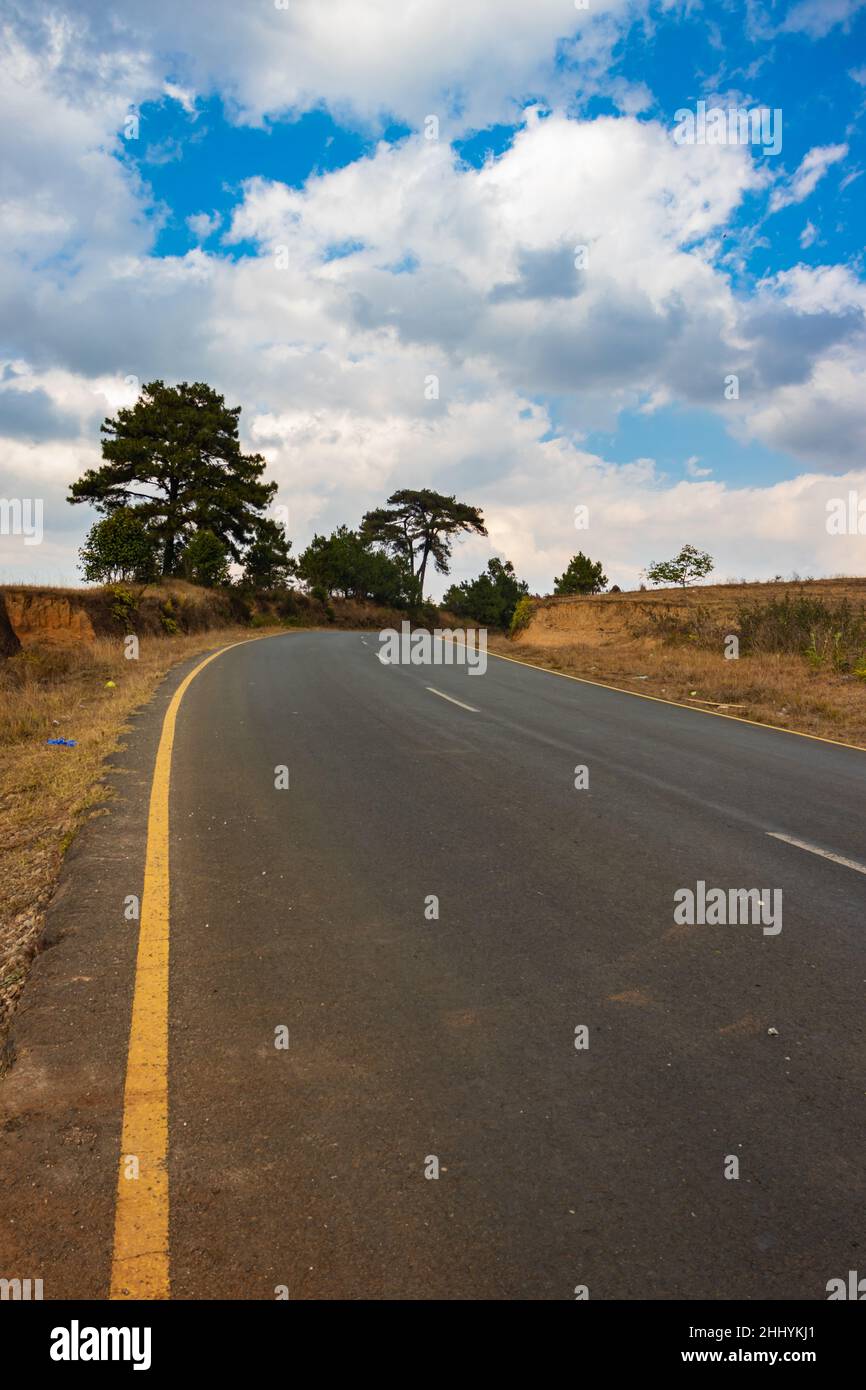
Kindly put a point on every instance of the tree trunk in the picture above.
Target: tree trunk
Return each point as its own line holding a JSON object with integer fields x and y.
{"x": 422, "y": 571}
{"x": 169, "y": 552}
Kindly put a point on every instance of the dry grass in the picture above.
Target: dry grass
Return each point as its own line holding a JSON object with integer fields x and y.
{"x": 46, "y": 792}
{"x": 802, "y": 662}
{"x": 772, "y": 688}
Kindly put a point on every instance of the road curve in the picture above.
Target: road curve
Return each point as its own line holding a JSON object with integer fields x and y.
{"x": 414, "y": 1038}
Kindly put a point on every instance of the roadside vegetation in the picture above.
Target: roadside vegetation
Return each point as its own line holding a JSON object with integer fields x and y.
{"x": 191, "y": 552}
{"x": 491, "y": 599}
{"x": 790, "y": 654}
{"x": 82, "y": 692}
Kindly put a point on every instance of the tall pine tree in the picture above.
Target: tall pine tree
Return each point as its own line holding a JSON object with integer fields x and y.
{"x": 417, "y": 524}
{"x": 176, "y": 458}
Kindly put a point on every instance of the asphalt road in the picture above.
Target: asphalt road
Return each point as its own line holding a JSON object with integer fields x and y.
{"x": 306, "y": 909}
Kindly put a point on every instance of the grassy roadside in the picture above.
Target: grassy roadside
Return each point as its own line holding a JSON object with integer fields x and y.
{"x": 770, "y": 687}
{"x": 46, "y": 792}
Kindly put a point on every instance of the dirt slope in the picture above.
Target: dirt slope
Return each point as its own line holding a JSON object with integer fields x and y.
{"x": 639, "y": 619}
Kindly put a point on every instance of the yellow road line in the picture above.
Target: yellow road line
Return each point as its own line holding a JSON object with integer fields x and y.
{"x": 140, "y": 1263}
{"x": 679, "y": 704}
{"x": 140, "y": 1267}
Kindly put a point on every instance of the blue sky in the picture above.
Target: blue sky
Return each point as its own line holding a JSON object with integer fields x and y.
{"x": 194, "y": 160}
{"x": 198, "y": 159}
{"x": 408, "y": 258}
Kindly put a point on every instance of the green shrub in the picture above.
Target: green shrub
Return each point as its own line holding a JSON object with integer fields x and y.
{"x": 167, "y": 618}
{"x": 123, "y": 605}
{"x": 240, "y": 607}
{"x": 695, "y": 625}
{"x": 522, "y": 615}
{"x": 119, "y": 547}
{"x": 827, "y": 634}
{"x": 491, "y": 598}
{"x": 425, "y": 615}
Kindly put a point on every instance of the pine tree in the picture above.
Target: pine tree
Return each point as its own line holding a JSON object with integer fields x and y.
{"x": 175, "y": 456}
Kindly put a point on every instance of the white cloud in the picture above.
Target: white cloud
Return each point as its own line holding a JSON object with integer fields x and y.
{"x": 330, "y": 355}
{"x": 797, "y": 418}
{"x": 809, "y": 172}
{"x": 203, "y": 224}
{"x": 693, "y": 469}
{"x": 817, "y": 17}
{"x": 182, "y": 95}
{"x": 470, "y": 64}
{"x": 64, "y": 192}
{"x": 817, "y": 289}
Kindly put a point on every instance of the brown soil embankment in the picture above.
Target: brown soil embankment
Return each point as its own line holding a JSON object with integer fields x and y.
{"x": 32, "y": 617}
{"x": 671, "y": 643}
{"x": 644, "y": 619}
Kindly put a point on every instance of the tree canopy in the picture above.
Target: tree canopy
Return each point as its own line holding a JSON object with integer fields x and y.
{"x": 343, "y": 563}
{"x": 267, "y": 562}
{"x": 582, "y": 576}
{"x": 691, "y": 563}
{"x": 418, "y": 524}
{"x": 176, "y": 457}
{"x": 205, "y": 560}
{"x": 491, "y": 598}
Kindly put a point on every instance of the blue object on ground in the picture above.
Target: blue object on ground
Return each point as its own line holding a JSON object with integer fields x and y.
{"x": 62, "y": 742}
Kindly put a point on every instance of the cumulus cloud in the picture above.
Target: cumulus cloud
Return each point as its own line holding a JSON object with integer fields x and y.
{"x": 65, "y": 195}
{"x": 204, "y": 224}
{"x": 572, "y": 278}
{"x": 472, "y": 65}
{"x": 646, "y": 317}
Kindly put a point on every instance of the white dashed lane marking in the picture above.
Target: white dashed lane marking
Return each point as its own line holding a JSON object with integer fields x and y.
{"x": 452, "y": 701}
{"x": 824, "y": 853}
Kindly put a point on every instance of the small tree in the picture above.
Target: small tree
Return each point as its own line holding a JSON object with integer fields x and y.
{"x": 267, "y": 563}
{"x": 491, "y": 598}
{"x": 119, "y": 547}
{"x": 205, "y": 560}
{"x": 691, "y": 563}
{"x": 583, "y": 576}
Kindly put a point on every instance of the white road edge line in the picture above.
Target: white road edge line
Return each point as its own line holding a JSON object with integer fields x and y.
{"x": 452, "y": 701}
{"x": 824, "y": 853}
